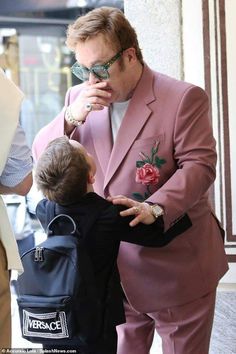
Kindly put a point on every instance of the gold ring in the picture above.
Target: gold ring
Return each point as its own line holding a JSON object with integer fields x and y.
{"x": 136, "y": 210}
{"x": 88, "y": 107}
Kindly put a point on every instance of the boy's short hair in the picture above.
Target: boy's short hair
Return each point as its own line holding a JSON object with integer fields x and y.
{"x": 62, "y": 172}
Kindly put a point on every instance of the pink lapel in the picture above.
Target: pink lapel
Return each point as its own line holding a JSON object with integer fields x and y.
{"x": 136, "y": 116}
{"x": 102, "y": 136}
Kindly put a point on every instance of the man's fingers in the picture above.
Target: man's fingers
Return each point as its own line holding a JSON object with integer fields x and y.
{"x": 115, "y": 199}
{"x": 134, "y": 210}
{"x": 136, "y": 220}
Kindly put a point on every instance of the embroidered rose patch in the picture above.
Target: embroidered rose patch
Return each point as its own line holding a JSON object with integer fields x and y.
{"x": 147, "y": 172}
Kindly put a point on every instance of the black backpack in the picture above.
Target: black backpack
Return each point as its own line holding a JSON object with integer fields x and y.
{"x": 57, "y": 296}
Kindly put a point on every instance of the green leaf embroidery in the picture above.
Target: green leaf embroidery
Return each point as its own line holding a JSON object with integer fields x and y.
{"x": 140, "y": 163}
{"x": 159, "y": 162}
{"x": 138, "y": 197}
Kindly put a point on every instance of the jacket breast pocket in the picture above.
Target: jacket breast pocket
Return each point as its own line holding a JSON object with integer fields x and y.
{"x": 148, "y": 142}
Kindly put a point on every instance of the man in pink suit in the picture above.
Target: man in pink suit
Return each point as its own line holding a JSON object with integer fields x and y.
{"x": 152, "y": 140}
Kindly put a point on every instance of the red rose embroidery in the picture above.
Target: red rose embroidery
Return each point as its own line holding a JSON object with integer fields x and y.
{"x": 148, "y": 171}
{"x": 148, "y": 174}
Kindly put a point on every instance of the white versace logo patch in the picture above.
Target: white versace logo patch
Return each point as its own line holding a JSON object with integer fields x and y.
{"x": 51, "y": 325}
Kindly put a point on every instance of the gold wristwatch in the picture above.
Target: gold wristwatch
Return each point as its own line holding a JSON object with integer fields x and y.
{"x": 157, "y": 210}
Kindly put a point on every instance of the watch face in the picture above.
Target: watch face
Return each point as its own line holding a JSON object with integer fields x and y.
{"x": 157, "y": 210}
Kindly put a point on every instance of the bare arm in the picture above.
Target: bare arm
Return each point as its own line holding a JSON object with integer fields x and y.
{"x": 21, "y": 189}
{"x": 16, "y": 177}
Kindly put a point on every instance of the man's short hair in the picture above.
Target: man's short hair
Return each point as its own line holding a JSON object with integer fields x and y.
{"x": 109, "y": 21}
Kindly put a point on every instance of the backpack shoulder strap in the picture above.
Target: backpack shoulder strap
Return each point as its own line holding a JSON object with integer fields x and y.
{"x": 85, "y": 263}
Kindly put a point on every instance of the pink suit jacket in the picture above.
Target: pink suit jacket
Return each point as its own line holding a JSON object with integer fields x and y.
{"x": 175, "y": 115}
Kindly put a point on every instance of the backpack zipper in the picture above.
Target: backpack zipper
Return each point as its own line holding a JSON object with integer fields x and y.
{"x": 38, "y": 255}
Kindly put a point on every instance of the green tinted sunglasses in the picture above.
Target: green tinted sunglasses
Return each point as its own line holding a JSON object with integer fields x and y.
{"x": 100, "y": 71}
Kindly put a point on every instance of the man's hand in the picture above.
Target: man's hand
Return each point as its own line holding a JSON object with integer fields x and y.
{"x": 142, "y": 211}
{"x": 96, "y": 95}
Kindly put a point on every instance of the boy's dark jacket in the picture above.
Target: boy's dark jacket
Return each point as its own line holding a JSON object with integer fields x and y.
{"x": 103, "y": 228}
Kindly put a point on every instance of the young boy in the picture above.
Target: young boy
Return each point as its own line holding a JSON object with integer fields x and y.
{"x": 65, "y": 174}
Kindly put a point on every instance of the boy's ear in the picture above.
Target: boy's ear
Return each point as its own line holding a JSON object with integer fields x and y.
{"x": 91, "y": 178}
